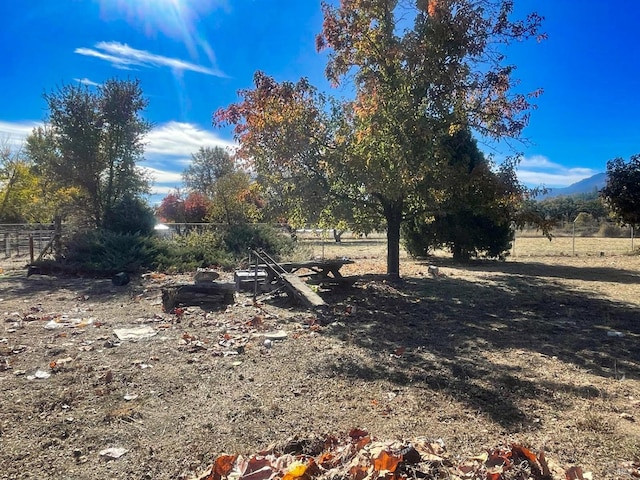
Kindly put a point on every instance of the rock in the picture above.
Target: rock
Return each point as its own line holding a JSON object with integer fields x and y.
{"x": 205, "y": 275}
{"x": 120, "y": 279}
{"x": 113, "y": 453}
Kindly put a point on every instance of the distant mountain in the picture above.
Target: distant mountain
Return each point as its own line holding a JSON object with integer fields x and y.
{"x": 588, "y": 185}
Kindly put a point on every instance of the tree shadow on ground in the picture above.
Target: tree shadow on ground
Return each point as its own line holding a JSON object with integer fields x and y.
{"x": 17, "y": 283}
{"x": 439, "y": 334}
{"x": 535, "y": 269}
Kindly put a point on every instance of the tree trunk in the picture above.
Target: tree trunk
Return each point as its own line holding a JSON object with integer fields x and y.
{"x": 393, "y": 215}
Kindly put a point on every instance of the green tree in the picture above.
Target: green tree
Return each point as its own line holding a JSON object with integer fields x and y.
{"x": 418, "y": 73}
{"x": 622, "y": 192}
{"x": 476, "y": 212}
{"x": 235, "y": 200}
{"x": 92, "y": 142}
{"x": 207, "y": 166}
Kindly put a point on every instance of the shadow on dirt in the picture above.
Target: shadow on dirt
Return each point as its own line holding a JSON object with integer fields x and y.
{"x": 534, "y": 269}
{"x": 452, "y": 336}
{"x": 16, "y": 283}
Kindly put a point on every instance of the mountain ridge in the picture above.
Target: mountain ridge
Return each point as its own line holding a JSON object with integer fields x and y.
{"x": 586, "y": 185}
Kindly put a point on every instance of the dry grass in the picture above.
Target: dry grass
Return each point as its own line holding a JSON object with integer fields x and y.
{"x": 486, "y": 354}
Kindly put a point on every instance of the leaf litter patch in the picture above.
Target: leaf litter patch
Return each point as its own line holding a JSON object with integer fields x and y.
{"x": 360, "y": 456}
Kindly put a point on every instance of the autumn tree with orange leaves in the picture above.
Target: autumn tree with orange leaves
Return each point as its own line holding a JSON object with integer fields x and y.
{"x": 420, "y": 70}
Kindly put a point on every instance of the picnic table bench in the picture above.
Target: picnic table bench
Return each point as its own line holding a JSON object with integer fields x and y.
{"x": 320, "y": 271}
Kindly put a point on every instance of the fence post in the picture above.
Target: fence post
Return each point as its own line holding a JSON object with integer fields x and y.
{"x": 30, "y": 248}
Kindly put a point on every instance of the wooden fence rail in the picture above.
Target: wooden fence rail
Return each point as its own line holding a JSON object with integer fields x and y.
{"x": 21, "y": 240}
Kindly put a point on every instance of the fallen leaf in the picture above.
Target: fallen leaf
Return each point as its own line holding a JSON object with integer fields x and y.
{"x": 295, "y": 472}
{"x": 222, "y": 466}
{"x": 386, "y": 462}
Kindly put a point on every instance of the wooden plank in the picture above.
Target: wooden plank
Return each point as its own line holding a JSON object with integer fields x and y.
{"x": 301, "y": 290}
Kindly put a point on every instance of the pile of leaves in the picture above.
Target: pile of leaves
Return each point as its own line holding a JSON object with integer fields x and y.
{"x": 359, "y": 456}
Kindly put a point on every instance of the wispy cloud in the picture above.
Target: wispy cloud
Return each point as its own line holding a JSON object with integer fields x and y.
{"x": 86, "y": 81}
{"x": 168, "y": 153}
{"x": 14, "y": 133}
{"x": 539, "y": 170}
{"x": 179, "y": 139}
{"x": 121, "y": 55}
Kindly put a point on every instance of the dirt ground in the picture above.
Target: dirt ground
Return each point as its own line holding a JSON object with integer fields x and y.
{"x": 541, "y": 351}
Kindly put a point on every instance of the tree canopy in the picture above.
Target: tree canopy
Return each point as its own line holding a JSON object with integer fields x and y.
{"x": 207, "y": 166}
{"x": 420, "y": 71}
{"x": 92, "y": 142}
{"x": 622, "y": 192}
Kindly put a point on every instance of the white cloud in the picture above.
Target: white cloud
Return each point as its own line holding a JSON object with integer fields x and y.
{"x": 86, "y": 81}
{"x": 178, "y": 139}
{"x": 539, "y": 170}
{"x": 164, "y": 176}
{"x": 168, "y": 152}
{"x": 14, "y": 133}
{"x": 121, "y": 55}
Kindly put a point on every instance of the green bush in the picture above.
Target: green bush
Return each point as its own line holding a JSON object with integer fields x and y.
{"x": 130, "y": 216}
{"x": 106, "y": 252}
{"x": 188, "y": 252}
{"x": 465, "y": 233}
{"x": 239, "y": 239}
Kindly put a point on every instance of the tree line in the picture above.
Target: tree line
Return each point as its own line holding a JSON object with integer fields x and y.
{"x": 427, "y": 79}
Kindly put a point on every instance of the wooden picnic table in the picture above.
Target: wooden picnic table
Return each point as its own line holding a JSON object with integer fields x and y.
{"x": 321, "y": 270}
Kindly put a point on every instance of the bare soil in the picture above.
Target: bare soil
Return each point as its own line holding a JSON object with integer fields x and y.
{"x": 540, "y": 351}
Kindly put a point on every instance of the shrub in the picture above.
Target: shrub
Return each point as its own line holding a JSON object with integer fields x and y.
{"x": 130, "y": 216}
{"x": 466, "y": 234}
{"x": 239, "y": 239}
{"x": 107, "y": 252}
{"x": 188, "y": 252}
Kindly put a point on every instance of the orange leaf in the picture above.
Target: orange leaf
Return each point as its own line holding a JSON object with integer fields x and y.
{"x": 399, "y": 351}
{"x": 363, "y": 442}
{"x": 222, "y": 466}
{"x": 524, "y": 452}
{"x": 386, "y": 461}
{"x": 326, "y": 460}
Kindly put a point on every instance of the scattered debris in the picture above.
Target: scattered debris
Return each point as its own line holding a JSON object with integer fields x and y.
{"x": 112, "y": 453}
{"x": 277, "y": 335}
{"x": 135, "y": 333}
{"x": 40, "y": 374}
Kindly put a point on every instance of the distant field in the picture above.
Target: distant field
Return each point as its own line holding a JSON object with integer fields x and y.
{"x": 321, "y": 244}
{"x": 559, "y": 246}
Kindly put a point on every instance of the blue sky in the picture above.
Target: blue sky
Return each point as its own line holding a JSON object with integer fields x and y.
{"x": 192, "y": 56}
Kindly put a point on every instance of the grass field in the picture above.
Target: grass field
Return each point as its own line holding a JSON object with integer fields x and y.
{"x": 530, "y": 245}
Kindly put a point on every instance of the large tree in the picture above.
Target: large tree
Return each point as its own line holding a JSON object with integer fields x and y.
{"x": 92, "y": 142}
{"x": 622, "y": 192}
{"x": 420, "y": 71}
